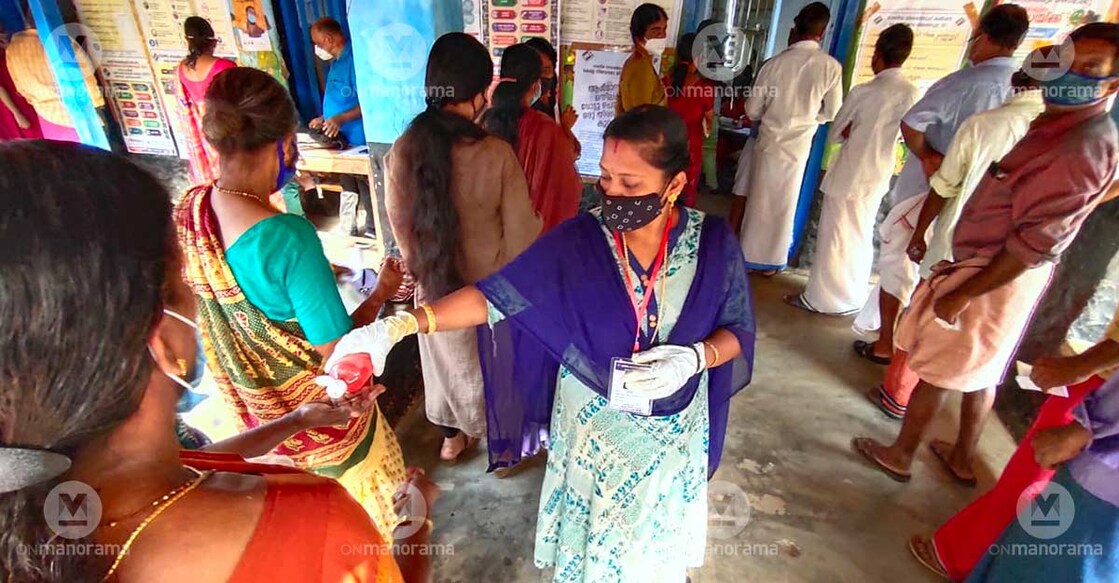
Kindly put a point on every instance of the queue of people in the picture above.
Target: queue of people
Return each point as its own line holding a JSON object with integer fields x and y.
{"x": 614, "y": 339}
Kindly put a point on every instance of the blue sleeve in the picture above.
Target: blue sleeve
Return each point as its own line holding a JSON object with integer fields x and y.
{"x": 309, "y": 282}
{"x": 932, "y": 109}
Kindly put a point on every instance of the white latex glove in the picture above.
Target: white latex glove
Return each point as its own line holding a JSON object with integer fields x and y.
{"x": 671, "y": 368}
{"x": 376, "y": 340}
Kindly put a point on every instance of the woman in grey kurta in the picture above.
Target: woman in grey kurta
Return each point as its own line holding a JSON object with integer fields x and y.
{"x": 459, "y": 207}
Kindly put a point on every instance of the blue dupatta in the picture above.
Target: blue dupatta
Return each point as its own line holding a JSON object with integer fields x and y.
{"x": 564, "y": 302}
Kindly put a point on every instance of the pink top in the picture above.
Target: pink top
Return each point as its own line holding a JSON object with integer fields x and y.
{"x": 196, "y": 90}
{"x": 1033, "y": 201}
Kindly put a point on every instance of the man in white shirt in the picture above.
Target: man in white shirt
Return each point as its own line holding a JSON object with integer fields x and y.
{"x": 982, "y": 139}
{"x": 794, "y": 93}
{"x": 868, "y": 126}
{"x": 928, "y": 128}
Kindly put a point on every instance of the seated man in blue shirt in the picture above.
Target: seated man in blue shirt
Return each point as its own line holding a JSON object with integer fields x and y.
{"x": 342, "y": 111}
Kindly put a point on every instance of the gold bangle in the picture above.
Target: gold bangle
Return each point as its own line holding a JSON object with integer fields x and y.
{"x": 430, "y": 318}
{"x": 714, "y": 349}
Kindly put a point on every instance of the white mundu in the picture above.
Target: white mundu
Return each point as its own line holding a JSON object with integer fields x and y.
{"x": 853, "y": 189}
{"x": 794, "y": 93}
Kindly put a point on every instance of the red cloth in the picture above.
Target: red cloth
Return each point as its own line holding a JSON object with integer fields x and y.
{"x": 9, "y": 129}
{"x": 310, "y": 529}
{"x": 966, "y": 537}
{"x": 53, "y": 131}
{"x": 899, "y": 383}
{"x": 692, "y": 102}
{"x": 547, "y": 156}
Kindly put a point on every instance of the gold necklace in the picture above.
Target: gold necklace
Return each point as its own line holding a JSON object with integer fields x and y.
{"x": 175, "y": 491}
{"x": 240, "y": 193}
{"x": 160, "y": 509}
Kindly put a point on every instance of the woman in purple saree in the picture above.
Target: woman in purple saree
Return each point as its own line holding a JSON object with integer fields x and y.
{"x": 630, "y": 451}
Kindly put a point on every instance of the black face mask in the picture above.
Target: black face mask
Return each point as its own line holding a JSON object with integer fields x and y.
{"x": 623, "y": 214}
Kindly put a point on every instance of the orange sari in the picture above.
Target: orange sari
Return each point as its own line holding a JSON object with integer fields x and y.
{"x": 336, "y": 540}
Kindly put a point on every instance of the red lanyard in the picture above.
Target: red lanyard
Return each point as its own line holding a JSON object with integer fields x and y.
{"x": 641, "y": 308}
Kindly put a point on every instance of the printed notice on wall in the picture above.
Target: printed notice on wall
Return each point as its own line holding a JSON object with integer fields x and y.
{"x": 596, "y": 90}
{"x": 940, "y": 36}
{"x": 606, "y": 22}
{"x": 130, "y": 86}
{"x": 508, "y": 22}
{"x": 1052, "y": 20}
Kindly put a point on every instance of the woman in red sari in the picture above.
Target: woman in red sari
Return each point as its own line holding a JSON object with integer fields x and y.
{"x": 546, "y": 153}
{"x": 196, "y": 72}
{"x": 693, "y": 98}
{"x": 95, "y": 403}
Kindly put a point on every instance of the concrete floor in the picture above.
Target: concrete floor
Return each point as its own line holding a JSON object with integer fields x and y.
{"x": 816, "y": 512}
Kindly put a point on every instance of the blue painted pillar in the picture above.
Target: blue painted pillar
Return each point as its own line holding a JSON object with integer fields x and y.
{"x": 301, "y": 64}
{"x": 68, "y": 73}
{"x": 391, "y": 39}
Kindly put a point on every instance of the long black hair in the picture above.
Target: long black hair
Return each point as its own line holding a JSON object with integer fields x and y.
{"x": 200, "y": 39}
{"x": 521, "y": 64}
{"x": 683, "y": 60}
{"x": 459, "y": 68}
{"x": 83, "y": 266}
{"x": 659, "y": 133}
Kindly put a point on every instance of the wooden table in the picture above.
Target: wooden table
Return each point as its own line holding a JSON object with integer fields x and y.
{"x": 343, "y": 249}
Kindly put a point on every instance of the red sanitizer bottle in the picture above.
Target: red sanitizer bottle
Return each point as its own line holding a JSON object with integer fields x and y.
{"x": 349, "y": 375}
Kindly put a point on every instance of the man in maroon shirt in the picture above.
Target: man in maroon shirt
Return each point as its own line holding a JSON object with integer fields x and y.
{"x": 964, "y": 324}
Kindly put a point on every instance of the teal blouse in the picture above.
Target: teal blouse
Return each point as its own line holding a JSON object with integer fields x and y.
{"x": 280, "y": 266}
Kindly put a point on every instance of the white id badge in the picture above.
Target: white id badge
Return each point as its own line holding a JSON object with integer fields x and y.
{"x": 620, "y": 397}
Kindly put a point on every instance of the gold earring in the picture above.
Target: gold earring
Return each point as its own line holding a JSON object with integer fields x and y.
{"x": 182, "y": 366}
{"x": 672, "y": 198}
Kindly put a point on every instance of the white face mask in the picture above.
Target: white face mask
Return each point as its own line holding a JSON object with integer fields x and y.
{"x": 323, "y": 53}
{"x": 656, "y": 45}
{"x": 195, "y": 376}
